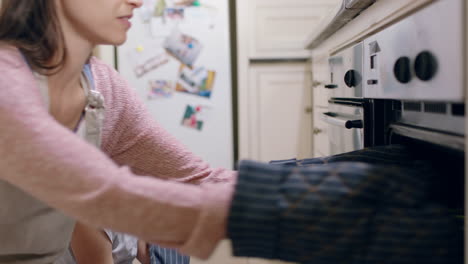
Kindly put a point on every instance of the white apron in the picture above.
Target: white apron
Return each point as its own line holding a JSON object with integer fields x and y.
{"x": 30, "y": 231}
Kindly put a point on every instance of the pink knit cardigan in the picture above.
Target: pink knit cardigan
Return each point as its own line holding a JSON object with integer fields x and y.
{"x": 101, "y": 187}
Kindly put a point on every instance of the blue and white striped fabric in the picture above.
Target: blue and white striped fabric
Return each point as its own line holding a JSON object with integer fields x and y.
{"x": 160, "y": 255}
{"x": 377, "y": 209}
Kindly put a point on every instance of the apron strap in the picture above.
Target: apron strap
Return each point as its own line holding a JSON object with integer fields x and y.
{"x": 94, "y": 111}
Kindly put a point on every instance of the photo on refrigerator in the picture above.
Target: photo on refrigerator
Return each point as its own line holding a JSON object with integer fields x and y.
{"x": 183, "y": 47}
{"x": 159, "y": 89}
{"x": 195, "y": 116}
{"x": 198, "y": 81}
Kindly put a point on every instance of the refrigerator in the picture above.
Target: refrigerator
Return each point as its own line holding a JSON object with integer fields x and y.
{"x": 177, "y": 58}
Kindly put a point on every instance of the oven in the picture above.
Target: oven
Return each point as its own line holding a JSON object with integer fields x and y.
{"x": 345, "y": 116}
{"x": 405, "y": 81}
{"x": 415, "y": 68}
{"x": 405, "y": 85}
{"x": 345, "y": 121}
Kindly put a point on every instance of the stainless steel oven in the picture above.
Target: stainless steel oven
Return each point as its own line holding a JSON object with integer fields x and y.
{"x": 346, "y": 68}
{"x": 415, "y": 67}
{"x": 405, "y": 81}
{"x": 405, "y": 85}
{"x": 345, "y": 117}
{"x": 345, "y": 127}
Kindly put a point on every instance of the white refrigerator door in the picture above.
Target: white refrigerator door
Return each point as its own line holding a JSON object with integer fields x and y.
{"x": 154, "y": 53}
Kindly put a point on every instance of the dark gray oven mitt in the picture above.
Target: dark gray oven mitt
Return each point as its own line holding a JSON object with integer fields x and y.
{"x": 336, "y": 211}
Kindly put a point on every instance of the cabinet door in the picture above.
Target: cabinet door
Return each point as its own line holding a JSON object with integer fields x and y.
{"x": 305, "y": 139}
{"x": 321, "y": 140}
{"x": 276, "y": 110}
{"x": 321, "y": 77}
{"x": 279, "y": 28}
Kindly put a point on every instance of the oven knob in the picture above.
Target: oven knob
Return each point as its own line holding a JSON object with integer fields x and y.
{"x": 352, "y": 78}
{"x": 402, "y": 70}
{"x": 425, "y": 66}
{"x": 354, "y": 124}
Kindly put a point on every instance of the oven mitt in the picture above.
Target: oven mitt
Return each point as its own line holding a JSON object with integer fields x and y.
{"x": 447, "y": 167}
{"x": 342, "y": 212}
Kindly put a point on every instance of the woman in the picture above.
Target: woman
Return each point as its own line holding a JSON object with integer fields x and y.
{"x": 329, "y": 213}
{"x": 52, "y": 93}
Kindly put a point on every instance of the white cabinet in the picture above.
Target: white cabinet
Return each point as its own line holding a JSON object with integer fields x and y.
{"x": 275, "y": 94}
{"x": 320, "y": 77}
{"x": 320, "y": 135}
{"x": 277, "y": 110}
{"x": 279, "y": 28}
{"x": 274, "y": 98}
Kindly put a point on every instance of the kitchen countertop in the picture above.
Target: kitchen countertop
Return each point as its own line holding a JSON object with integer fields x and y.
{"x": 377, "y": 16}
{"x": 341, "y": 15}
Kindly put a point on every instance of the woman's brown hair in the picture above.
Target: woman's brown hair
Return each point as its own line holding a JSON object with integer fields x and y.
{"x": 33, "y": 27}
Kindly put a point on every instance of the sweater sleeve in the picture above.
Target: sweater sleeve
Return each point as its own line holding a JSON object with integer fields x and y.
{"x": 133, "y": 138}
{"x": 49, "y": 162}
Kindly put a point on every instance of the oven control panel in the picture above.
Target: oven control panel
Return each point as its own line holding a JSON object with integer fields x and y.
{"x": 346, "y": 73}
{"x": 419, "y": 58}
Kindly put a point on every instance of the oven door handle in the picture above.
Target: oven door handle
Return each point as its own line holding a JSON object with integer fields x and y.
{"x": 333, "y": 119}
